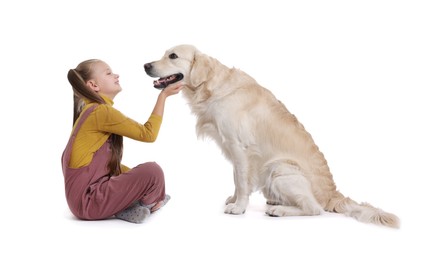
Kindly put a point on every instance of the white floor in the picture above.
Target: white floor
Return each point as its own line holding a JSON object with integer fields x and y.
{"x": 38, "y": 224}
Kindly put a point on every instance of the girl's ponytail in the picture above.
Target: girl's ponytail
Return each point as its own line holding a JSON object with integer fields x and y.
{"x": 79, "y": 91}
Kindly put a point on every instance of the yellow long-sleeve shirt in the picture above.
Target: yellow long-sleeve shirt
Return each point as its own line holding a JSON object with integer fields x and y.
{"x": 101, "y": 123}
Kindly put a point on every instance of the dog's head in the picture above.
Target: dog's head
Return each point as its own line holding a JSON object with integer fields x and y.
{"x": 180, "y": 63}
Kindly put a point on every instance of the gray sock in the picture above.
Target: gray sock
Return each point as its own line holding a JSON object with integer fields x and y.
{"x": 135, "y": 213}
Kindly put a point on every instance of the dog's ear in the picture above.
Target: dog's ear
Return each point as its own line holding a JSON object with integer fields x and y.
{"x": 200, "y": 69}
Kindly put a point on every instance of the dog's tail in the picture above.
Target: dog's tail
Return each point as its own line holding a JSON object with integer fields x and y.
{"x": 363, "y": 212}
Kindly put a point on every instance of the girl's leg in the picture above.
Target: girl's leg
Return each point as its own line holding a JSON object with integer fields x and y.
{"x": 156, "y": 188}
{"x": 144, "y": 184}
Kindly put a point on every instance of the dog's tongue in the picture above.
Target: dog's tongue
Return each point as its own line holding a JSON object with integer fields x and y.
{"x": 160, "y": 83}
{"x": 164, "y": 82}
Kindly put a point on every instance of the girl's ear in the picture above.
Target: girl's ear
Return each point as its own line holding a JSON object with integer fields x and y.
{"x": 91, "y": 84}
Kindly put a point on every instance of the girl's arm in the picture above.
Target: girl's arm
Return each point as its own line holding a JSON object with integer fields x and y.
{"x": 111, "y": 120}
{"x": 166, "y": 92}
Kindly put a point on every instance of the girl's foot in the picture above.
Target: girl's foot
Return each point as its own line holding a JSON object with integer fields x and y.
{"x": 155, "y": 206}
{"x": 135, "y": 213}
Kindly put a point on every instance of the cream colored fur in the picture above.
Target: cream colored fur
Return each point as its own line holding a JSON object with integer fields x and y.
{"x": 269, "y": 149}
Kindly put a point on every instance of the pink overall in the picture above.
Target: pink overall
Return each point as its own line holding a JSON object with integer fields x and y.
{"x": 93, "y": 194}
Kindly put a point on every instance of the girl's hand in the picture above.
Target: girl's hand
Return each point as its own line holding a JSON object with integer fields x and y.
{"x": 166, "y": 92}
{"x": 172, "y": 90}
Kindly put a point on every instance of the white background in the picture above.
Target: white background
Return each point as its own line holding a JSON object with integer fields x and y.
{"x": 360, "y": 76}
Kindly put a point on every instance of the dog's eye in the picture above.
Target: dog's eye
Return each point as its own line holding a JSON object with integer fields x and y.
{"x": 173, "y": 56}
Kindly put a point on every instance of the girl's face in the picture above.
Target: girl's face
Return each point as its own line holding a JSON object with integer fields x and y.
{"x": 104, "y": 81}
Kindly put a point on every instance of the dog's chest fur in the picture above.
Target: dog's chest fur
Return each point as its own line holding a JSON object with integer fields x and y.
{"x": 232, "y": 122}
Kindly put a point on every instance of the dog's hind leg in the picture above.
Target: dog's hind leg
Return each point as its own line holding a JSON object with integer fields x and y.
{"x": 288, "y": 191}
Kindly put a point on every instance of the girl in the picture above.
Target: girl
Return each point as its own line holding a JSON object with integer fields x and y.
{"x": 97, "y": 185}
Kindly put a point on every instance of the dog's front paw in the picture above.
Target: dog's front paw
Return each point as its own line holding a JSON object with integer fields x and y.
{"x": 233, "y": 208}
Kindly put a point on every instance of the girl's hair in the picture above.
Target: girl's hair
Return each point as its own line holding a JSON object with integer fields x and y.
{"x": 78, "y": 78}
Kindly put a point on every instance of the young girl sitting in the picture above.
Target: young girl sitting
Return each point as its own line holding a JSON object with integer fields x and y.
{"x": 97, "y": 185}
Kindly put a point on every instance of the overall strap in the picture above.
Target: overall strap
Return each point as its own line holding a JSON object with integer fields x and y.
{"x": 82, "y": 118}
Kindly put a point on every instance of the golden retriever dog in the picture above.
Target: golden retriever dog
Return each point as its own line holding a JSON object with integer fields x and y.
{"x": 269, "y": 148}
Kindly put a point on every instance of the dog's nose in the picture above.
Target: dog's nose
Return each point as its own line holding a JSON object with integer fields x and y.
{"x": 147, "y": 66}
